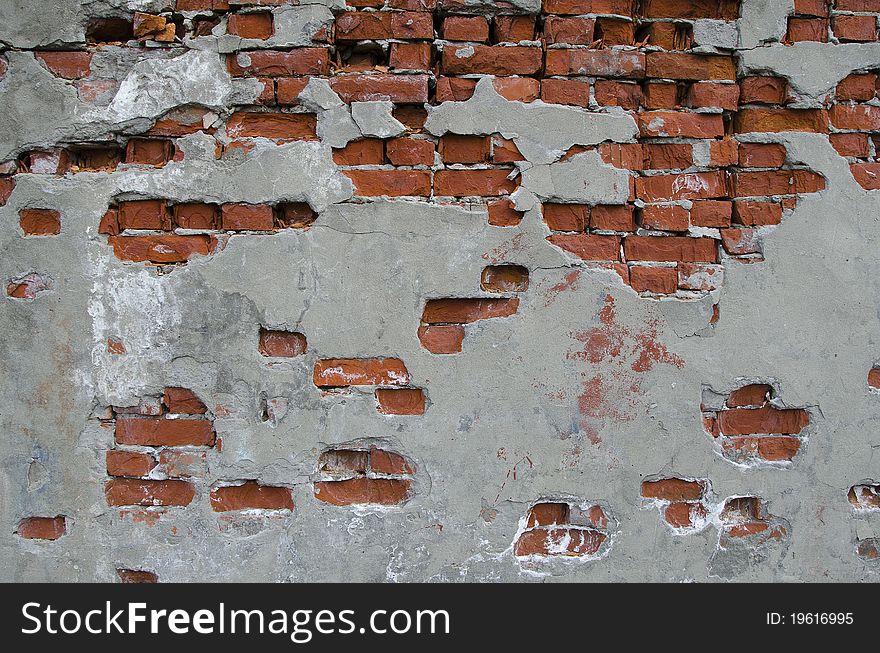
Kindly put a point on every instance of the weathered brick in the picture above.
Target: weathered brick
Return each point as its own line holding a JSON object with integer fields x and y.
{"x": 341, "y": 372}
{"x": 164, "y": 432}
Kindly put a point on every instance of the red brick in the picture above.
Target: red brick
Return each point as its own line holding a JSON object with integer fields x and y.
{"x": 6, "y": 187}
{"x": 611, "y": 93}
{"x": 149, "y": 151}
{"x": 761, "y": 155}
{"x": 400, "y": 401}
{"x": 143, "y": 492}
{"x": 473, "y": 183}
{"x": 763, "y": 90}
{"x": 714, "y": 94}
{"x": 685, "y": 186}
{"x": 739, "y": 242}
{"x": 410, "y": 56}
{"x": 39, "y": 222}
{"x": 503, "y": 214}
{"x": 716, "y": 9}
{"x": 724, "y": 153}
{"x": 393, "y": 183}
{"x": 195, "y": 215}
{"x": 572, "y": 31}
{"x": 251, "y": 496}
{"x": 466, "y": 311}
{"x": 566, "y": 217}
{"x": 456, "y": 148}
{"x": 289, "y": 88}
{"x": 857, "y": 5}
{"x": 410, "y": 152}
{"x": 776, "y": 182}
{"x": 665, "y": 217}
{"x": 596, "y": 63}
{"x": 284, "y": 344}
{"x": 856, "y": 145}
{"x": 254, "y": 25}
{"x": 630, "y": 156}
{"x": 867, "y": 175}
{"x": 613, "y": 217}
{"x": 677, "y": 124}
{"x": 505, "y": 151}
{"x": 559, "y": 541}
{"x": 363, "y": 491}
{"x": 251, "y": 124}
{"x": 661, "y": 95}
{"x": 366, "y": 151}
{"x": 164, "y": 432}
{"x": 858, "y": 117}
{"x": 167, "y": 248}
{"x": 566, "y": 91}
{"x": 183, "y": 401}
{"x": 411, "y": 25}
{"x": 504, "y": 278}
{"x": 711, "y": 213}
{"x": 684, "y": 514}
{"x": 491, "y": 60}
{"x": 694, "y": 67}
{"x": 466, "y": 28}
{"x": 513, "y": 29}
{"x": 860, "y": 87}
{"x": 673, "y": 489}
{"x": 670, "y": 248}
{"x": 42, "y": 528}
{"x": 589, "y": 247}
{"x": 774, "y": 449}
{"x": 668, "y": 156}
{"x": 441, "y": 339}
{"x": 855, "y": 28}
{"x": 363, "y": 26}
{"x": 69, "y": 65}
{"x": 247, "y": 217}
{"x": 144, "y": 214}
{"x": 129, "y": 463}
{"x": 341, "y": 372}
{"x": 517, "y": 89}
{"x": 807, "y": 29}
{"x": 755, "y": 214}
{"x": 274, "y": 63}
{"x": 615, "y": 31}
{"x": 136, "y": 576}
{"x": 389, "y": 462}
{"x": 754, "y": 394}
{"x": 548, "y": 514}
{"x": 811, "y": 7}
{"x": 406, "y": 89}
{"x": 769, "y": 420}
{"x": 454, "y": 89}
{"x": 663, "y": 281}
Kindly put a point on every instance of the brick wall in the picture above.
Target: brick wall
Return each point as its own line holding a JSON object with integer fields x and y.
{"x": 713, "y": 170}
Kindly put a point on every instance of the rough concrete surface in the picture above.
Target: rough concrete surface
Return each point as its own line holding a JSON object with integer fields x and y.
{"x": 586, "y": 391}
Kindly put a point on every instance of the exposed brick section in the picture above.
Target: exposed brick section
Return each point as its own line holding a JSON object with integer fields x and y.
{"x": 251, "y": 496}
{"x": 136, "y": 576}
{"x": 342, "y": 372}
{"x": 284, "y": 344}
{"x": 42, "y": 528}
{"x": 554, "y": 529}
{"x": 682, "y": 502}
{"x": 369, "y": 476}
{"x": 401, "y": 401}
{"x": 140, "y": 492}
{"x": 751, "y": 427}
{"x": 40, "y": 222}
{"x": 865, "y": 497}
